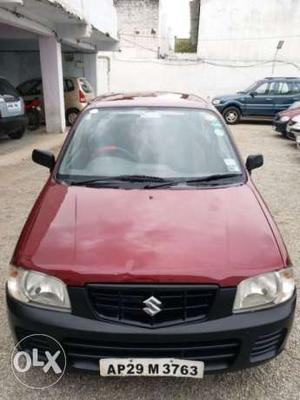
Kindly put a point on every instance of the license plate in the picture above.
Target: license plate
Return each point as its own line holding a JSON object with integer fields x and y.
{"x": 13, "y": 107}
{"x": 151, "y": 367}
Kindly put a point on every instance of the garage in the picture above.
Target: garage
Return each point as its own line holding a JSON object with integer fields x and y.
{"x": 53, "y": 41}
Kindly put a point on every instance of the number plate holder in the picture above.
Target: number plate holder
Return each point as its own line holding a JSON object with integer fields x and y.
{"x": 151, "y": 367}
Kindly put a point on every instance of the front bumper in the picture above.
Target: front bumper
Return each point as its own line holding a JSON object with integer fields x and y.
{"x": 280, "y": 127}
{"x": 13, "y": 124}
{"x": 229, "y": 343}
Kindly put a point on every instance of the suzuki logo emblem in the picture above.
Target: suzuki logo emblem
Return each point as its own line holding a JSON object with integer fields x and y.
{"x": 152, "y": 306}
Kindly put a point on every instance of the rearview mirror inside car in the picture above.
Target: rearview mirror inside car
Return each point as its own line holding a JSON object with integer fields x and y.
{"x": 254, "y": 161}
{"x": 44, "y": 158}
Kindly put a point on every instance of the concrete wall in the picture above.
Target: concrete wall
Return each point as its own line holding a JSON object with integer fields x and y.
{"x": 137, "y": 22}
{"x": 188, "y": 76}
{"x": 241, "y": 30}
{"x": 100, "y": 13}
{"x": 17, "y": 67}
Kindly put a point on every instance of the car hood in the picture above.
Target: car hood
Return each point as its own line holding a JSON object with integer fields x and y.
{"x": 290, "y": 113}
{"x": 227, "y": 97}
{"x": 85, "y": 235}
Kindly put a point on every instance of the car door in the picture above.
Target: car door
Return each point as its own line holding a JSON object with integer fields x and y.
{"x": 285, "y": 95}
{"x": 260, "y": 102}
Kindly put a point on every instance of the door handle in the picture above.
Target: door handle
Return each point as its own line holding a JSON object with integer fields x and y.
{"x": 269, "y": 99}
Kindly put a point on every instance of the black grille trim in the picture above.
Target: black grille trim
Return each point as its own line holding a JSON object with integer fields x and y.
{"x": 124, "y": 303}
{"x": 216, "y": 355}
{"x": 267, "y": 346}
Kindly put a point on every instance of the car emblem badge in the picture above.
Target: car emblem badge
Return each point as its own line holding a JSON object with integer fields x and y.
{"x": 152, "y": 306}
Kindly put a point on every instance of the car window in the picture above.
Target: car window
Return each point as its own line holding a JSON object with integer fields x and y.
{"x": 7, "y": 88}
{"x": 295, "y": 87}
{"x": 85, "y": 85}
{"x": 262, "y": 89}
{"x": 159, "y": 142}
{"x": 272, "y": 89}
{"x": 283, "y": 88}
{"x": 68, "y": 85}
{"x": 32, "y": 87}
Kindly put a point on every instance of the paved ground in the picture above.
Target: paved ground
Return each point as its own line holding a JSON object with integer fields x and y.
{"x": 279, "y": 182}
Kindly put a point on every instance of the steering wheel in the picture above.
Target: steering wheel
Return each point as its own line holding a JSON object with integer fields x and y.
{"x": 102, "y": 150}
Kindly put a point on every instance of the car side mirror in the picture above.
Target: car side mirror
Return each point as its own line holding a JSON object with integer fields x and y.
{"x": 252, "y": 94}
{"x": 254, "y": 161}
{"x": 44, "y": 158}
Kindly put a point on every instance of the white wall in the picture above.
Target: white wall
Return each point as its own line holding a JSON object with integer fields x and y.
{"x": 190, "y": 76}
{"x": 138, "y": 16}
{"x": 249, "y": 30}
{"x": 100, "y": 13}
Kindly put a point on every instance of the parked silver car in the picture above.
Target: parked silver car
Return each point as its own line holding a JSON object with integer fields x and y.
{"x": 13, "y": 121}
{"x": 293, "y": 129}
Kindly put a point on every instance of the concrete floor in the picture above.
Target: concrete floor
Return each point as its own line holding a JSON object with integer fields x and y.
{"x": 279, "y": 182}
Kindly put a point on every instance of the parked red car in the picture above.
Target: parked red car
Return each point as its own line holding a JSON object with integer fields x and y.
{"x": 282, "y": 119}
{"x": 150, "y": 251}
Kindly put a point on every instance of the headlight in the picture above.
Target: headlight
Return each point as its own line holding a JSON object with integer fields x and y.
{"x": 284, "y": 119}
{"x": 263, "y": 291}
{"x": 216, "y": 102}
{"x": 38, "y": 289}
{"x": 296, "y": 126}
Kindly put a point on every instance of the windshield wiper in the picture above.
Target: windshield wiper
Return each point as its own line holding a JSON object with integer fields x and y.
{"x": 107, "y": 180}
{"x": 202, "y": 180}
{"x": 210, "y": 178}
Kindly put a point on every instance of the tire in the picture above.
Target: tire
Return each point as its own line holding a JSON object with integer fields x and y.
{"x": 71, "y": 116}
{"x": 232, "y": 115}
{"x": 34, "y": 120}
{"x": 17, "y": 134}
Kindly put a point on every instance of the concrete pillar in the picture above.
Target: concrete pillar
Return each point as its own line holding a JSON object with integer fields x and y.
{"x": 53, "y": 86}
{"x": 91, "y": 71}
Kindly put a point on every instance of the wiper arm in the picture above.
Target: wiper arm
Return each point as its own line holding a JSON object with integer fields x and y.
{"x": 121, "y": 178}
{"x": 202, "y": 180}
{"x": 140, "y": 178}
{"x": 214, "y": 177}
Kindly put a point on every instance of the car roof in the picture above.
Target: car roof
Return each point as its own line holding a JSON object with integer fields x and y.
{"x": 150, "y": 99}
{"x": 274, "y": 78}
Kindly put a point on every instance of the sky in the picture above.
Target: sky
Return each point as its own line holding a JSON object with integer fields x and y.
{"x": 179, "y": 17}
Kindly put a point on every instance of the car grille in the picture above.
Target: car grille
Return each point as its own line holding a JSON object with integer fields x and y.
{"x": 125, "y": 303}
{"x": 216, "y": 355}
{"x": 267, "y": 346}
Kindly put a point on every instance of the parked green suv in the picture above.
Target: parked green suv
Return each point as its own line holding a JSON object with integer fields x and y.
{"x": 263, "y": 99}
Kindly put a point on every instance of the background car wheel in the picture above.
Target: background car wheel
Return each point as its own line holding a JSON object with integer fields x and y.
{"x": 34, "y": 120}
{"x": 17, "y": 135}
{"x": 232, "y": 115}
{"x": 71, "y": 116}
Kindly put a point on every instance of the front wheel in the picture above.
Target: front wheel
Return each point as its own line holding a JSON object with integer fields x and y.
{"x": 232, "y": 115}
{"x": 17, "y": 134}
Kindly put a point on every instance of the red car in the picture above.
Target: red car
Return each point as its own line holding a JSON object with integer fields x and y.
{"x": 150, "y": 251}
{"x": 282, "y": 119}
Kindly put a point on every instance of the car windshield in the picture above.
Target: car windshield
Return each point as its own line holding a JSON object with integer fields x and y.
{"x": 7, "y": 89}
{"x": 151, "y": 142}
{"x": 295, "y": 105}
{"x": 251, "y": 88}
